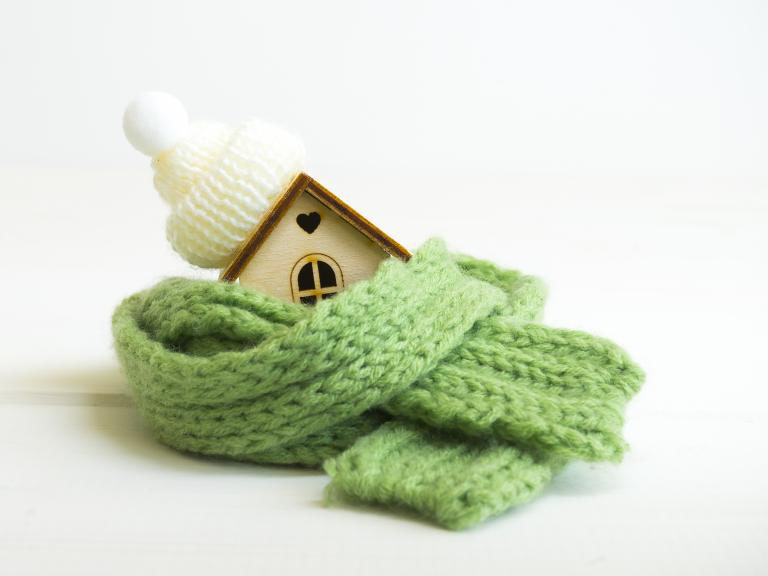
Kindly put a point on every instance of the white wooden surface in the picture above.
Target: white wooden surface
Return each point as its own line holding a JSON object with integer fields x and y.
{"x": 672, "y": 269}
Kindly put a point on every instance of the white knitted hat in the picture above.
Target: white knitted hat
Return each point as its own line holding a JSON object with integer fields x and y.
{"x": 218, "y": 179}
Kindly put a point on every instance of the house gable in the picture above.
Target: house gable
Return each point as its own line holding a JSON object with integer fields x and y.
{"x": 308, "y": 220}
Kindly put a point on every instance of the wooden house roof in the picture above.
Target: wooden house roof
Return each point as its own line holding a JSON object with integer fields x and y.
{"x": 304, "y": 183}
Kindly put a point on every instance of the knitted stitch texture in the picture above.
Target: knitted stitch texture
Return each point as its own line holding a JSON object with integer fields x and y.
{"x": 429, "y": 386}
{"x": 218, "y": 181}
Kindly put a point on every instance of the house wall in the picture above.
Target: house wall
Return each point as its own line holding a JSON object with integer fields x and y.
{"x": 270, "y": 268}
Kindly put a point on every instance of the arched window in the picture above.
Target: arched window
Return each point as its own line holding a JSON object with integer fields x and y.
{"x": 315, "y": 277}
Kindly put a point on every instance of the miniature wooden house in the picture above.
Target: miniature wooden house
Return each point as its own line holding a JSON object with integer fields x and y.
{"x": 310, "y": 245}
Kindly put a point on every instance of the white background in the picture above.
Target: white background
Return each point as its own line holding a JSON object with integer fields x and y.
{"x": 617, "y": 149}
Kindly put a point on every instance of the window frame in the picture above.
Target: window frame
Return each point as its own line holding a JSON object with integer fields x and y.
{"x": 317, "y": 291}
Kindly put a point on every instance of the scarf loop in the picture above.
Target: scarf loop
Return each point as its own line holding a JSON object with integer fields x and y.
{"x": 430, "y": 386}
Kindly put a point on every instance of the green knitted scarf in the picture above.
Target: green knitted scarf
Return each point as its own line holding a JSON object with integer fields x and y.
{"x": 430, "y": 386}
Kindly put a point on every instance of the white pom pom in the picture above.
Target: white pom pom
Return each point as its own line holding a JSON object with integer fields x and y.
{"x": 154, "y": 122}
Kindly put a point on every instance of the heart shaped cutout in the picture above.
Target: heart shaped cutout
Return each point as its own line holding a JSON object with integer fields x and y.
{"x": 308, "y": 222}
